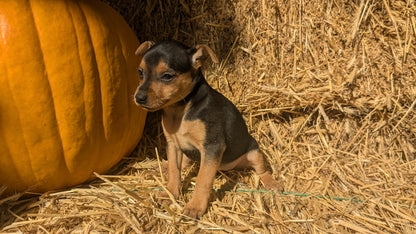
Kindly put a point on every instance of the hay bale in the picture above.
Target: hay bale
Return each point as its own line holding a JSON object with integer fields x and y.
{"x": 328, "y": 89}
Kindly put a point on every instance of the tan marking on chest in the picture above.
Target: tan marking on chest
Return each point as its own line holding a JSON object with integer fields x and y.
{"x": 184, "y": 134}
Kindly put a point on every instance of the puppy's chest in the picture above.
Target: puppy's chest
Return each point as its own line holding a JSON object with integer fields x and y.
{"x": 186, "y": 135}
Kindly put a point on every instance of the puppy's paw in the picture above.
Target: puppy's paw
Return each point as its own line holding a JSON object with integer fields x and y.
{"x": 195, "y": 209}
{"x": 164, "y": 198}
{"x": 271, "y": 183}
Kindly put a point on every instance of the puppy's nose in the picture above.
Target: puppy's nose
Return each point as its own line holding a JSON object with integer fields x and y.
{"x": 141, "y": 98}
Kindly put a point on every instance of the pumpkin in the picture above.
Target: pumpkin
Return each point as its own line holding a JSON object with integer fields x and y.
{"x": 67, "y": 79}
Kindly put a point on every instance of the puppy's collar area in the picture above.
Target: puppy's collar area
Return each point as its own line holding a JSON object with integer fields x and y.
{"x": 199, "y": 81}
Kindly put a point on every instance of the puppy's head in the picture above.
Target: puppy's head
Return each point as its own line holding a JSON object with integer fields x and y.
{"x": 167, "y": 72}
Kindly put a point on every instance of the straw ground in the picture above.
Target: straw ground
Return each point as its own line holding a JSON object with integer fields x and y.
{"x": 328, "y": 88}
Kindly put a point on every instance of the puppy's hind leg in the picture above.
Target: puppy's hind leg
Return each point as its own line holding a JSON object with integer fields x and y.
{"x": 255, "y": 159}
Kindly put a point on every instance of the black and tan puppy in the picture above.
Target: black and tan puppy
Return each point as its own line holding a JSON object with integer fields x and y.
{"x": 197, "y": 121}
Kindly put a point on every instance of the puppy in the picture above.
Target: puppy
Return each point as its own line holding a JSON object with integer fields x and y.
{"x": 199, "y": 123}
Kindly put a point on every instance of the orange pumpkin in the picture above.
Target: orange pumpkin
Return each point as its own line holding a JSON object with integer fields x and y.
{"x": 67, "y": 79}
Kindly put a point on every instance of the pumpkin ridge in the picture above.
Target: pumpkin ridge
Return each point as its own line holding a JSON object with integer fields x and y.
{"x": 125, "y": 68}
{"x": 128, "y": 82}
{"x": 99, "y": 73}
{"x": 90, "y": 126}
{"x": 26, "y": 148}
{"x": 80, "y": 62}
{"x": 108, "y": 126}
{"x": 18, "y": 174}
{"x": 85, "y": 91}
{"x": 99, "y": 99}
{"x": 51, "y": 93}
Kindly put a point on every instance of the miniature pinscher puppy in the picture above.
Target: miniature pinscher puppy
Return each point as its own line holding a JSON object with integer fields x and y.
{"x": 197, "y": 121}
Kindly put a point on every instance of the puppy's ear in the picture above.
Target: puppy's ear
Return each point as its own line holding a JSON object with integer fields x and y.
{"x": 144, "y": 47}
{"x": 201, "y": 54}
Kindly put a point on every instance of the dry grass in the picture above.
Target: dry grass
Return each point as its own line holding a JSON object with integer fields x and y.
{"x": 327, "y": 87}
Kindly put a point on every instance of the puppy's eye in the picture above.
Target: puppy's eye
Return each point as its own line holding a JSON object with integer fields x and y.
{"x": 167, "y": 77}
{"x": 140, "y": 71}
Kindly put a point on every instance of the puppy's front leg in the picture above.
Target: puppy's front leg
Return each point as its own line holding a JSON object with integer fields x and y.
{"x": 198, "y": 204}
{"x": 174, "y": 170}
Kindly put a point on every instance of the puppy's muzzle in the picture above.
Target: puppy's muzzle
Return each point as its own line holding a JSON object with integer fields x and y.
{"x": 141, "y": 98}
